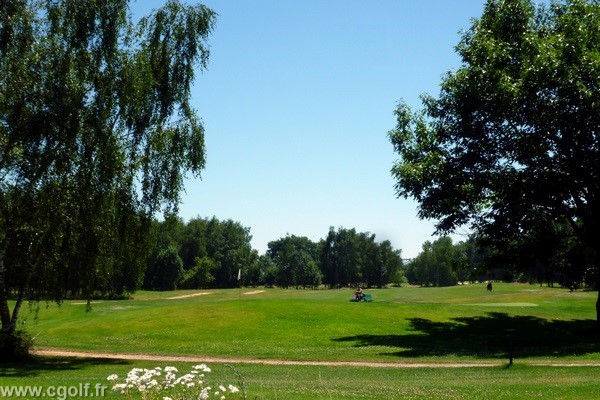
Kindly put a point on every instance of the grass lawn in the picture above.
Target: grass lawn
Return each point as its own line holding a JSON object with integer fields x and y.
{"x": 455, "y": 324}
{"x": 347, "y": 383}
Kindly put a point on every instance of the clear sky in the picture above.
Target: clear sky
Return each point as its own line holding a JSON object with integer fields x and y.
{"x": 297, "y": 101}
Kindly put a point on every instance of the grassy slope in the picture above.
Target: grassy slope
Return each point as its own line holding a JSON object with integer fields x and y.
{"x": 405, "y": 323}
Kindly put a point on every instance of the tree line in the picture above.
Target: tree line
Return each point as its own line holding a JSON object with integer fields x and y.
{"x": 549, "y": 254}
{"x": 213, "y": 253}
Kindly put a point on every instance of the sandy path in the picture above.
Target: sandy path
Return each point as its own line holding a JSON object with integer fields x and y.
{"x": 199, "y": 359}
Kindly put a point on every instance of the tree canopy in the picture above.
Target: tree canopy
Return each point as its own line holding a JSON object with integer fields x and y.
{"x": 96, "y": 136}
{"x": 512, "y": 138}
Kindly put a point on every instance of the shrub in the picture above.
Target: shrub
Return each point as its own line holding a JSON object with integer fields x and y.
{"x": 15, "y": 346}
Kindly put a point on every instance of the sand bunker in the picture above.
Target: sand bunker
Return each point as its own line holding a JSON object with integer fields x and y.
{"x": 255, "y": 292}
{"x": 185, "y": 296}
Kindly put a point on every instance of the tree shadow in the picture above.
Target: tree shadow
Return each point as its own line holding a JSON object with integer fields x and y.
{"x": 35, "y": 366}
{"x": 493, "y": 335}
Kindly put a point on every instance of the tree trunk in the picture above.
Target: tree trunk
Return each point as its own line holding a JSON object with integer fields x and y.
{"x": 598, "y": 302}
{"x": 4, "y": 309}
{"x": 598, "y": 312}
{"x": 596, "y": 252}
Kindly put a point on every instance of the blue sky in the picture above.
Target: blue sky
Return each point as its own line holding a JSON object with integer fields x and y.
{"x": 297, "y": 101}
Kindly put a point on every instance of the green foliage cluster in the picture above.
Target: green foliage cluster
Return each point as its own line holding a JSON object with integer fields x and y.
{"x": 511, "y": 141}
{"x": 96, "y": 136}
{"x": 209, "y": 253}
{"x": 512, "y": 137}
{"x": 293, "y": 261}
{"x": 349, "y": 257}
{"x": 437, "y": 264}
{"x": 549, "y": 254}
{"x": 202, "y": 253}
{"x": 344, "y": 258}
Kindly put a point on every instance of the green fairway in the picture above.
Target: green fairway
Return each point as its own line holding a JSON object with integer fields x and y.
{"x": 455, "y": 323}
{"x": 463, "y": 324}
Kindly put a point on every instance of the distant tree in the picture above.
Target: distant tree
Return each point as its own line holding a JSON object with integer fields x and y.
{"x": 351, "y": 258}
{"x": 434, "y": 265}
{"x": 96, "y": 135}
{"x": 549, "y": 253}
{"x": 513, "y": 136}
{"x": 193, "y": 242}
{"x": 212, "y": 251}
{"x": 370, "y": 264}
{"x": 295, "y": 260}
{"x": 304, "y": 269}
{"x": 340, "y": 258}
{"x": 228, "y": 244}
{"x": 199, "y": 275}
{"x": 164, "y": 270}
{"x": 391, "y": 267}
{"x": 268, "y": 271}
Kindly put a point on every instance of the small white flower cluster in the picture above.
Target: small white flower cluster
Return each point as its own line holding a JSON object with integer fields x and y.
{"x": 164, "y": 384}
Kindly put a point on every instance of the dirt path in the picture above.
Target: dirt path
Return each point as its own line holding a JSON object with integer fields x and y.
{"x": 198, "y": 359}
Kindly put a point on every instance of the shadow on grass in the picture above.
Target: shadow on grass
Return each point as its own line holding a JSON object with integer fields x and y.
{"x": 35, "y": 366}
{"x": 489, "y": 336}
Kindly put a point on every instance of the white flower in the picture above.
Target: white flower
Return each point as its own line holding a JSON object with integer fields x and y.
{"x": 145, "y": 381}
{"x": 233, "y": 389}
{"x": 120, "y": 387}
{"x": 202, "y": 367}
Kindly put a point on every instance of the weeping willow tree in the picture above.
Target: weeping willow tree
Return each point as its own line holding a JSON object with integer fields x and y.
{"x": 97, "y": 135}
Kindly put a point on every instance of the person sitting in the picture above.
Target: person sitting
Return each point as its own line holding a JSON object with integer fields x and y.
{"x": 359, "y": 294}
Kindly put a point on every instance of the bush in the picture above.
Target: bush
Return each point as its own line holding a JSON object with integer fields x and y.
{"x": 15, "y": 346}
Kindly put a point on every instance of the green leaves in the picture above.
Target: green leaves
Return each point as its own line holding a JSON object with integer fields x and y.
{"x": 96, "y": 136}
{"x": 514, "y": 129}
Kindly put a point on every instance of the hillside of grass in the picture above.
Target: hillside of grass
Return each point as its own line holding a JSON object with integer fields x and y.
{"x": 408, "y": 323}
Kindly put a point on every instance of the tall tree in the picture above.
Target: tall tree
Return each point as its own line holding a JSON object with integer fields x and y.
{"x": 434, "y": 266}
{"x": 513, "y": 136}
{"x": 340, "y": 258}
{"x": 295, "y": 259}
{"x": 96, "y": 136}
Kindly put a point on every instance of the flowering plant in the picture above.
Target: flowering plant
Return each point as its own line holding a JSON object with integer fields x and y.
{"x": 164, "y": 384}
